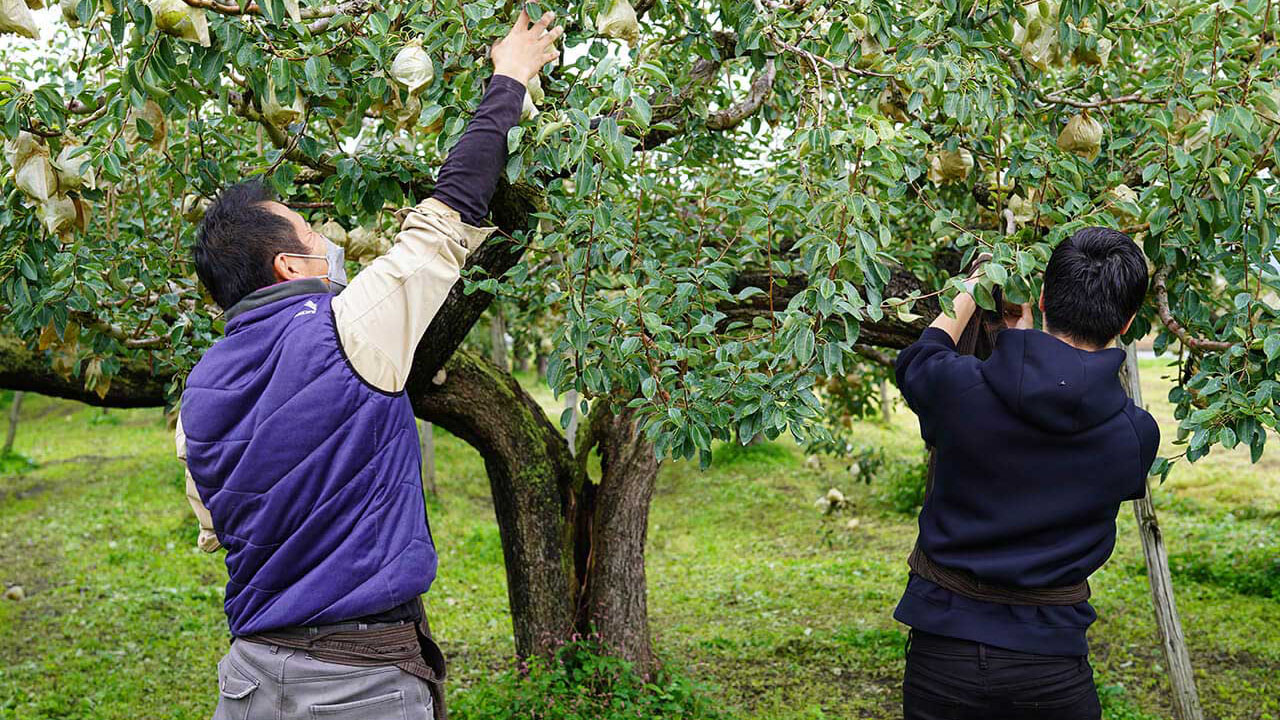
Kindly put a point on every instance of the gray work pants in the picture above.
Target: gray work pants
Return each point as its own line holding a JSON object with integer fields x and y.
{"x": 268, "y": 682}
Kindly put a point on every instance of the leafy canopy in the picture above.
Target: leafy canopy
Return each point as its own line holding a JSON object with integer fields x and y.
{"x": 731, "y": 200}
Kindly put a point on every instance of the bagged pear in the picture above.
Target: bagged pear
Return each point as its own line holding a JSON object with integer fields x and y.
{"x": 32, "y": 171}
{"x": 194, "y": 207}
{"x": 60, "y": 215}
{"x": 871, "y": 53}
{"x": 407, "y": 116}
{"x": 282, "y": 115}
{"x": 364, "y": 244}
{"x": 16, "y": 18}
{"x": 18, "y": 150}
{"x": 1097, "y": 57}
{"x": 153, "y": 116}
{"x": 334, "y": 231}
{"x": 534, "y": 89}
{"x": 889, "y": 106}
{"x": 528, "y": 110}
{"x": 412, "y": 67}
{"x": 68, "y": 10}
{"x": 949, "y": 166}
{"x": 1122, "y": 194}
{"x": 1024, "y": 210}
{"x": 176, "y": 18}
{"x": 74, "y": 170}
{"x": 1038, "y": 39}
{"x": 1197, "y": 139}
{"x": 1082, "y": 136}
{"x": 618, "y": 21}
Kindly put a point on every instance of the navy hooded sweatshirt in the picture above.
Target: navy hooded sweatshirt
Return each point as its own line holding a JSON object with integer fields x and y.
{"x": 1035, "y": 449}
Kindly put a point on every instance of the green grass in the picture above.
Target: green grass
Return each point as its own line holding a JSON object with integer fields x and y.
{"x": 773, "y": 611}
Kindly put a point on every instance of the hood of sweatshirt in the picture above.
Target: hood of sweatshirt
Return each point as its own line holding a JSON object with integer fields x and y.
{"x": 1052, "y": 385}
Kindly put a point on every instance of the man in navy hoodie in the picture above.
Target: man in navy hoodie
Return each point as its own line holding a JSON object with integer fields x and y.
{"x": 1035, "y": 449}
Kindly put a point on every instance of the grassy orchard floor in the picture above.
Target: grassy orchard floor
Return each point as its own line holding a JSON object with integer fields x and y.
{"x": 123, "y": 617}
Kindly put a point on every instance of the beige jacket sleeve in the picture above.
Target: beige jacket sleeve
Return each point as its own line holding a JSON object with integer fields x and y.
{"x": 208, "y": 540}
{"x": 386, "y": 309}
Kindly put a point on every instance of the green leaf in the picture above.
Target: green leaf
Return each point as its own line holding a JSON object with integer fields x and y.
{"x": 804, "y": 345}
{"x": 1271, "y": 346}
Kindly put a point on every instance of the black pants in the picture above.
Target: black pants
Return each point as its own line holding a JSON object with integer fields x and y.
{"x": 949, "y": 679}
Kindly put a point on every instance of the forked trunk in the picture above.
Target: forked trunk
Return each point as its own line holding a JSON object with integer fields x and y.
{"x": 614, "y": 603}
{"x": 574, "y": 549}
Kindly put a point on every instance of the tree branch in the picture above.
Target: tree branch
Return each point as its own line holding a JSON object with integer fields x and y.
{"x": 93, "y": 322}
{"x": 876, "y": 356}
{"x": 246, "y": 109}
{"x": 253, "y": 8}
{"x": 22, "y": 368}
{"x": 1134, "y": 98}
{"x": 761, "y": 87}
{"x": 887, "y": 332}
{"x": 1192, "y": 342}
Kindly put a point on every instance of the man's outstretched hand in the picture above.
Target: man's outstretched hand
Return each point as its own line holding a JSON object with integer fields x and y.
{"x": 1018, "y": 316}
{"x": 523, "y": 52}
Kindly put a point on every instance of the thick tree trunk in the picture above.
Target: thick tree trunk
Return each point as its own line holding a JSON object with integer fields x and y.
{"x": 614, "y": 600}
{"x": 534, "y": 482}
{"x": 574, "y": 549}
{"x": 427, "y": 439}
{"x": 15, "y": 410}
{"x": 498, "y": 339}
{"x": 886, "y": 402}
{"x": 542, "y": 361}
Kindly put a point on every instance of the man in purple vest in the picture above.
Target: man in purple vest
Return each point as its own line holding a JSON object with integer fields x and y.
{"x": 300, "y": 443}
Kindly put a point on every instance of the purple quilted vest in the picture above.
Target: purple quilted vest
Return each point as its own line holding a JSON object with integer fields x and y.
{"x": 312, "y": 476}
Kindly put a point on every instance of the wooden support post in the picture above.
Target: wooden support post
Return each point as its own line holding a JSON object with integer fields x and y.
{"x": 1186, "y": 702}
{"x": 886, "y": 403}
{"x": 14, "y": 410}
{"x": 427, "y": 437}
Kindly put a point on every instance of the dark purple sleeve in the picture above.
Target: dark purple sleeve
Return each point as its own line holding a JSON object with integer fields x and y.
{"x": 470, "y": 174}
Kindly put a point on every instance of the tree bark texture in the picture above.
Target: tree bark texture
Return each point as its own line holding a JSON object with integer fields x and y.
{"x": 427, "y": 439}
{"x": 614, "y": 603}
{"x": 542, "y": 361}
{"x": 574, "y": 548}
{"x": 498, "y": 339}
{"x": 15, "y": 412}
{"x": 533, "y": 479}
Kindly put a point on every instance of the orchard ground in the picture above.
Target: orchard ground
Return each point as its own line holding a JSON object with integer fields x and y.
{"x": 772, "y": 610}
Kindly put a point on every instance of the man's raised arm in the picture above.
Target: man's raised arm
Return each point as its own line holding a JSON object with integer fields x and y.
{"x": 385, "y": 310}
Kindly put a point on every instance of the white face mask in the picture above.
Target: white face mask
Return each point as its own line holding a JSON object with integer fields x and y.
{"x": 336, "y": 256}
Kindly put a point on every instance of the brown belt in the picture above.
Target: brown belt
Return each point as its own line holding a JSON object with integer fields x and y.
{"x": 407, "y": 646}
{"x": 962, "y": 582}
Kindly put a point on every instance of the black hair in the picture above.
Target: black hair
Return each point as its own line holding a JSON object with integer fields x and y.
{"x": 1094, "y": 282}
{"x": 238, "y": 241}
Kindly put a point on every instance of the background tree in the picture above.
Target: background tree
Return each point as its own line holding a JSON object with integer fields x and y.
{"x": 720, "y": 205}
